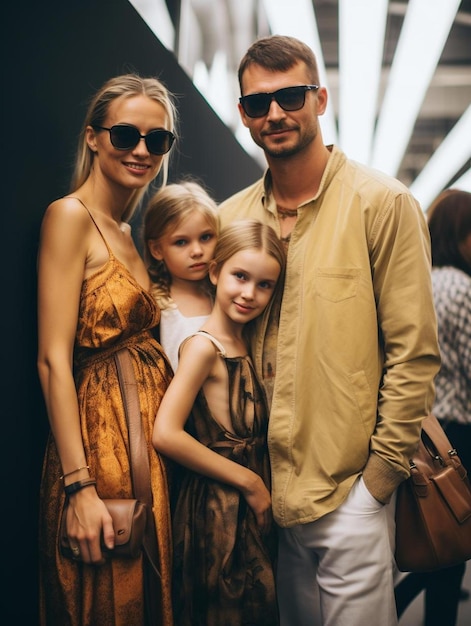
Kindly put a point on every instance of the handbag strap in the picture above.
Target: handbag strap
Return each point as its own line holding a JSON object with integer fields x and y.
{"x": 434, "y": 453}
{"x": 140, "y": 469}
{"x": 434, "y": 431}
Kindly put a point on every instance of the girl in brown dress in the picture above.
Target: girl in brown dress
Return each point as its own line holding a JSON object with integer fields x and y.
{"x": 223, "y": 534}
{"x": 94, "y": 301}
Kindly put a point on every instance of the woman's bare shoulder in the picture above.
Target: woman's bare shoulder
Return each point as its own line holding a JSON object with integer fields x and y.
{"x": 66, "y": 226}
{"x": 67, "y": 207}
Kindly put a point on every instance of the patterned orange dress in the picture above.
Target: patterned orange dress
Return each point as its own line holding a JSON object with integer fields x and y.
{"x": 115, "y": 312}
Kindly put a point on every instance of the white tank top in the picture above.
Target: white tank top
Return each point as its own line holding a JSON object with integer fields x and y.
{"x": 175, "y": 328}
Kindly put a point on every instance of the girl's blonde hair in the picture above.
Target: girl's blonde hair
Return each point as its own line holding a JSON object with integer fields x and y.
{"x": 127, "y": 86}
{"x": 164, "y": 212}
{"x": 248, "y": 234}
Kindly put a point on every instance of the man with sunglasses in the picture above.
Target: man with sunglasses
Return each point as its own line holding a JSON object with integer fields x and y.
{"x": 347, "y": 357}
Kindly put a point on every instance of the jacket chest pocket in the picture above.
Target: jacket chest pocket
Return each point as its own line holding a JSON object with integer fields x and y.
{"x": 336, "y": 283}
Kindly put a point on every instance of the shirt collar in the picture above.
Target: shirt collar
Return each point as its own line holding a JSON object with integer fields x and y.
{"x": 335, "y": 157}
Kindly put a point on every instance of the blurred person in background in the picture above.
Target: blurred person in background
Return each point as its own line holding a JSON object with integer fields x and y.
{"x": 449, "y": 220}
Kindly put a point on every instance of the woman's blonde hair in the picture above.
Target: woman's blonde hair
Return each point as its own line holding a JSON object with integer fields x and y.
{"x": 127, "y": 86}
{"x": 164, "y": 212}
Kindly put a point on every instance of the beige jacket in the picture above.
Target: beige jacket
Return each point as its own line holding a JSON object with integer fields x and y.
{"x": 357, "y": 340}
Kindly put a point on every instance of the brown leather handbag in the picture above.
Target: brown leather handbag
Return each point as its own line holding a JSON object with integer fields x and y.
{"x": 433, "y": 508}
{"x": 129, "y": 523}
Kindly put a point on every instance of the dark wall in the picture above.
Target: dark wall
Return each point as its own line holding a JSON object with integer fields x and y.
{"x": 55, "y": 54}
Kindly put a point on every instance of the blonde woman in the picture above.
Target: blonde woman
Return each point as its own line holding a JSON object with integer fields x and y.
{"x": 94, "y": 300}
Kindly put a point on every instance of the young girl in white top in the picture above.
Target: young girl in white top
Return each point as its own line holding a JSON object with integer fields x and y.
{"x": 180, "y": 233}
{"x": 213, "y": 421}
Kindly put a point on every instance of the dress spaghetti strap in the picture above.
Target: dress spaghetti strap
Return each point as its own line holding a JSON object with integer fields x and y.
{"x": 110, "y": 252}
{"x": 203, "y": 333}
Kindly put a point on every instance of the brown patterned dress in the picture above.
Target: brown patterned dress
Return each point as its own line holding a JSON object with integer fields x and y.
{"x": 115, "y": 312}
{"x": 223, "y": 566}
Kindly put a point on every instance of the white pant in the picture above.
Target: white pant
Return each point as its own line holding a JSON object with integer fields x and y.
{"x": 349, "y": 553}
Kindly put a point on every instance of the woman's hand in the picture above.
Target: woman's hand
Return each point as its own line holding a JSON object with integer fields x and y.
{"x": 88, "y": 521}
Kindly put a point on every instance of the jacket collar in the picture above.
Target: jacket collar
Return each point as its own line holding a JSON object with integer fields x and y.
{"x": 336, "y": 160}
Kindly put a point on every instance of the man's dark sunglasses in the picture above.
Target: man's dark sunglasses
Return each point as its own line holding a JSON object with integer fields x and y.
{"x": 289, "y": 99}
{"x": 126, "y": 137}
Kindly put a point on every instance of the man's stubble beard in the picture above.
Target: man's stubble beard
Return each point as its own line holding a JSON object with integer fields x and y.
{"x": 284, "y": 152}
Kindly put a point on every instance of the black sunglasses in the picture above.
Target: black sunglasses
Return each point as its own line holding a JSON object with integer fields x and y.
{"x": 125, "y": 137}
{"x": 289, "y": 99}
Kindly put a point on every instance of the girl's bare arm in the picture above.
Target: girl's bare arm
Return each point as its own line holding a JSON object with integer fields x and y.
{"x": 196, "y": 363}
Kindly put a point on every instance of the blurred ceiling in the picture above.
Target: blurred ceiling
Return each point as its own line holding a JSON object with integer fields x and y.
{"x": 398, "y": 74}
{"x": 446, "y": 95}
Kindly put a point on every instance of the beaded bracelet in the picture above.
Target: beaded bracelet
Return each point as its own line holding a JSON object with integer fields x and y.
{"x": 77, "y": 486}
{"x": 74, "y": 471}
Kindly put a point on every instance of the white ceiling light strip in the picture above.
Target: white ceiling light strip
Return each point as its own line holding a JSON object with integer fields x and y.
{"x": 298, "y": 20}
{"x": 362, "y": 27}
{"x": 426, "y": 27}
{"x": 448, "y": 158}
{"x": 463, "y": 182}
{"x": 155, "y": 14}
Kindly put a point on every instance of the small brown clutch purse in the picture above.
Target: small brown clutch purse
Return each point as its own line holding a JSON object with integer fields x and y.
{"x": 129, "y": 522}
